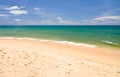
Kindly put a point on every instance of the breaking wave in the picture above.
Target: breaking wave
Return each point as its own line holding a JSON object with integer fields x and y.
{"x": 60, "y": 42}
{"x": 109, "y": 42}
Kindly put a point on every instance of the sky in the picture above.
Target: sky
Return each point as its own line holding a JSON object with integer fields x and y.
{"x": 59, "y": 12}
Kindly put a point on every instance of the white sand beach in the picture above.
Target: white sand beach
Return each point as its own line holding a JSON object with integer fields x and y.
{"x": 33, "y": 58}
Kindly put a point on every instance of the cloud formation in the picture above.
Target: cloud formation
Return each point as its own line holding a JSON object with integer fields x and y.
{"x": 104, "y": 20}
{"x": 17, "y": 20}
{"x": 12, "y": 8}
{"x": 4, "y": 15}
{"x": 18, "y": 12}
{"x": 61, "y": 21}
{"x": 38, "y": 11}
{"x": 107, "y": 18}
{"x": 46, "y": 22}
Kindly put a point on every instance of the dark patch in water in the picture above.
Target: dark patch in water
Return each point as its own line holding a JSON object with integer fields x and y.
{"x": 116, "y": 34}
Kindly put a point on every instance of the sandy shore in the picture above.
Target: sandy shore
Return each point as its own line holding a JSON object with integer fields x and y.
{"x": 30, "y": 58}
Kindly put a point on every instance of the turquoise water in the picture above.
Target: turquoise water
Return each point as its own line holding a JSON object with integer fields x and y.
{"x": 108, "y": 36}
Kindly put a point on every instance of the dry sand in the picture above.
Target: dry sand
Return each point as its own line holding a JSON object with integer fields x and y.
{"x": 32, "y": 58}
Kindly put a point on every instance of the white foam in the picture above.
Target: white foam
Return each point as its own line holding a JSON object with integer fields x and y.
{"x": 7, "y": 37}
{"x": 61, "y": 42}
{"x": 24, "y": 38}
{"x": 109, "y": 42}
{"x": 71, "y": 43}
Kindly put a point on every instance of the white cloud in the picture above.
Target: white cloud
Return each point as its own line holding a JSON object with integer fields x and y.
{"x": 103, "y": 20}
{"x": 61, "y": 21}
{"x": 12, "y": 8}
{"x": 15, "y": 10}
{"x": 107, "y": 18}
{"x": 17, "y": 20}
{"x": 18, "y": 12}
{"x": 39, "y": 11}
{"x": 4, "y": 15}
{"x": 37, "y": 8}
{"x": 46, "y": 22}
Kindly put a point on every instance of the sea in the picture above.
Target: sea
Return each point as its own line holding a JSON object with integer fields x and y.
{"x": 99, "y": 35}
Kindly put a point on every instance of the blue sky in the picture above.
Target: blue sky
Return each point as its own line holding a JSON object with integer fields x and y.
{"x": 58, "y": 12}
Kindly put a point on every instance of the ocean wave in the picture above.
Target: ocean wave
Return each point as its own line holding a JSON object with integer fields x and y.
{"x": 17, "y": 38}
{"x": 60, "y": 42}
{"x": 109, "y": 42}
{"x": 71, "y": 43}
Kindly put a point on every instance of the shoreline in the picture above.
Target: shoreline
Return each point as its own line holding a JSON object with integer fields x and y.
{"x": 66, "y": 42}
{"x": 53, "y": 41}
{"x": 41, "y": 58}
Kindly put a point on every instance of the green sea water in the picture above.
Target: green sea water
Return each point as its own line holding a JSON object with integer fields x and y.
{"x": 105, "y": 36}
